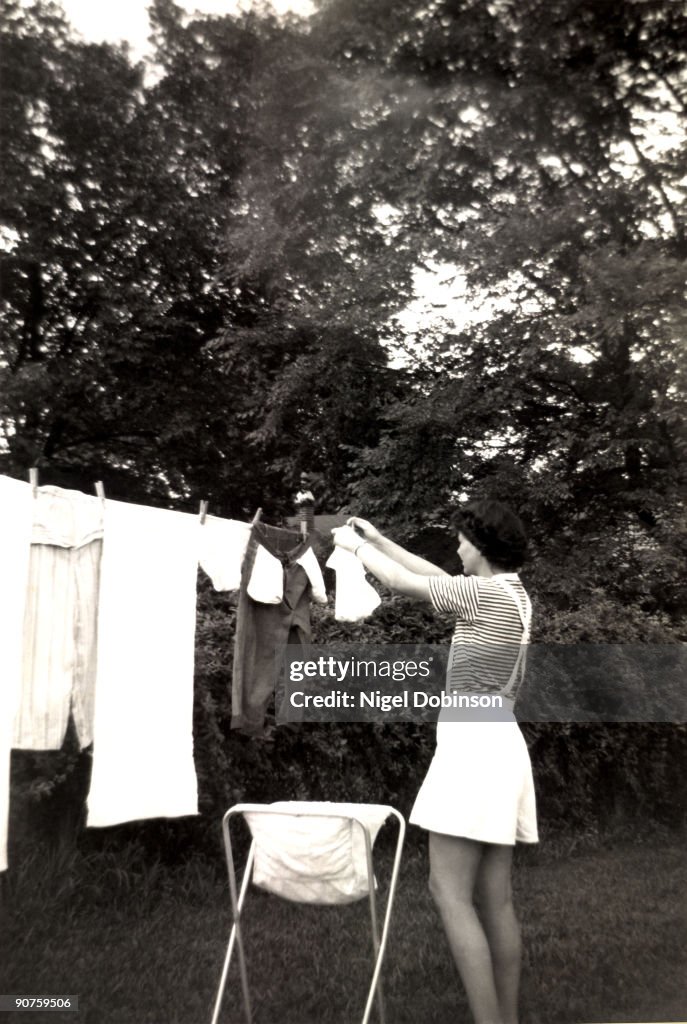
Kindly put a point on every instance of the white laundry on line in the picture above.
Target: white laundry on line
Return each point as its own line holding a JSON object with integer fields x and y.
{"x": 60, "y": 620}
{"x": 222, "y": 549}
{"x": 143, "y": 726}
{"x": 223, "y": 544}
{"x": 266, "y": 583}
{"x": 16, "y": 501}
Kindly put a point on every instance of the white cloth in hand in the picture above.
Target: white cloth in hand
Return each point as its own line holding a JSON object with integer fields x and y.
{"x": 355, "y": 598}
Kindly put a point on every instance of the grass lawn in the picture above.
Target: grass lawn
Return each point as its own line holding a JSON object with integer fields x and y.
{"x": 604, "y": 934}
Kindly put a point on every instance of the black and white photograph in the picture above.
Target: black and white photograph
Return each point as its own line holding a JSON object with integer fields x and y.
{"x": 343, "y": 671}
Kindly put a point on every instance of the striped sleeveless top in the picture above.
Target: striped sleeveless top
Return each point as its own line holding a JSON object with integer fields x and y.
{"x": 492, "y": 624}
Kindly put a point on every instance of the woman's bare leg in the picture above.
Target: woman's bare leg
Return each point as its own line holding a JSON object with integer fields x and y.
{"x": 495, "y": 896}
{"x": 454, "y": 865}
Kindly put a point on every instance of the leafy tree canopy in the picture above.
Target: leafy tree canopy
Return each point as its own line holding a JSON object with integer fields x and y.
{"x": 203, "y": 267}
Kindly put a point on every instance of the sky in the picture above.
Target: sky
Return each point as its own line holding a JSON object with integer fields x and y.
{"x": 100, "y": 21}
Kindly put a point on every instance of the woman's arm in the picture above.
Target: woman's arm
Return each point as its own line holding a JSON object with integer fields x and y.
{"x": 414, "y": 564}
{"x": 388, "y": 571}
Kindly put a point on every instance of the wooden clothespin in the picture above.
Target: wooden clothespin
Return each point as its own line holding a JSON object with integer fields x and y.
{"x": 33, "y": 480}
{"x": 203, "y": 511}
{"x": 256, "y": 517}
{"x": 100, "y": 490}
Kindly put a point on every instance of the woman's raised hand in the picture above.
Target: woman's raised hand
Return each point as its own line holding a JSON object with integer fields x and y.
{"x": 345, "y": 537}
{"x": 365, "y": 529}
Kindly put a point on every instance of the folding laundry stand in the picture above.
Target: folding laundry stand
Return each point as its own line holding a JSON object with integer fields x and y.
{"x": 305, "y": 811}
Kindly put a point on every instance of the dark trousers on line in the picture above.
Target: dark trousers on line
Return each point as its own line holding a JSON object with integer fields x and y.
{"x": 264, "y": 630}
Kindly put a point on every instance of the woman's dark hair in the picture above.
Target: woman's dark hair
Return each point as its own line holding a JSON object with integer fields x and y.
{"x": 495, "y": 531}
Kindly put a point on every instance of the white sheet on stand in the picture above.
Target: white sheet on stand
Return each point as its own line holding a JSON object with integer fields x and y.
{"x": 16, "y": 501}
{"x": 142, "y": 734}
{"x": 312, "y": 859}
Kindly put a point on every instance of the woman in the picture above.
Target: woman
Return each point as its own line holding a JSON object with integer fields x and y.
{"x": 478, "y": 797}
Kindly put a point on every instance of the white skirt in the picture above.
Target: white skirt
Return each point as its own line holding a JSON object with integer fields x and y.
{"x": 479, "y": 784}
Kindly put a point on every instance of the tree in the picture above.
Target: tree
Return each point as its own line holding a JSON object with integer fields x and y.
{"x": 111, "y": 293}
{"x": 141, "y": 347}
{"x": 529, "y": 166}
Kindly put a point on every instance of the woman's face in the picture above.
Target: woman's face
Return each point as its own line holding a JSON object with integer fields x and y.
{"x": 469, "y": 555}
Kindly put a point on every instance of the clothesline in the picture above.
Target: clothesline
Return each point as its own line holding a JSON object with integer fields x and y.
{"x": 100, "y": 493}
{"x": 105, "y": 631}
{"x": 304, "y": 500}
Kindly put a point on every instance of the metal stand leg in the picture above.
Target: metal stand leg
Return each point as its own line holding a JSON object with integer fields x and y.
{"x": 375, "y": 927}
{"x": 235, "y": 935}
{"x": 380, "y": 945}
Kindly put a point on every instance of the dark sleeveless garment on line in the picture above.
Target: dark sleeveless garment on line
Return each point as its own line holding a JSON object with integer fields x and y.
{"x": 264, "y": 630}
